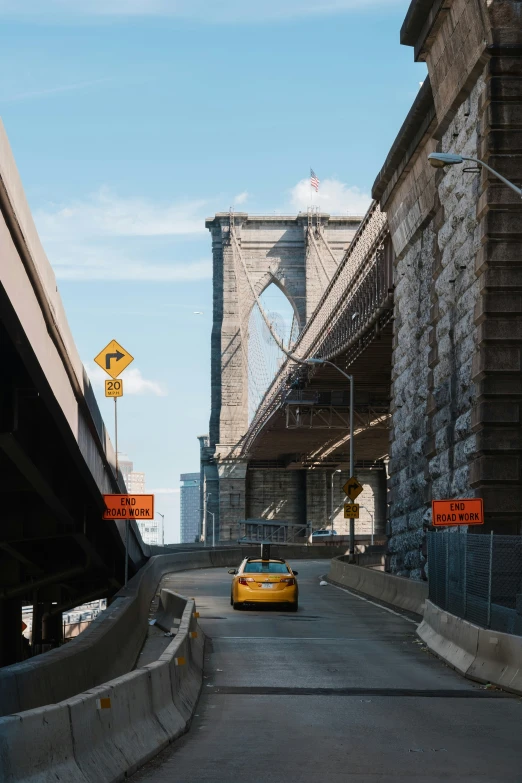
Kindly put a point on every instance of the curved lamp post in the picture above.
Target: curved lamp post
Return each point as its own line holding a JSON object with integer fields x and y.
{"x": 162, "y": 526}
{"x": 332, "y": 496}
{"x": 352, "y": 465}
{"x": 441, "y": 159}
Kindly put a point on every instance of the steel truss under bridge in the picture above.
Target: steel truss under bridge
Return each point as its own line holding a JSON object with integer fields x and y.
{"x": 331, "y": 418}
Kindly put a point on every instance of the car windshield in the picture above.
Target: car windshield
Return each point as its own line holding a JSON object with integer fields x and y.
{"x": 265, "y": 568}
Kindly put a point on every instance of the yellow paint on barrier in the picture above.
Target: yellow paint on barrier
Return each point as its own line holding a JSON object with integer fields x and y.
{"x": 194, "y": 634}
{"x": 180, "y": 661}
{"x": 104, "y": 703}
{"x": 196, "y": 614}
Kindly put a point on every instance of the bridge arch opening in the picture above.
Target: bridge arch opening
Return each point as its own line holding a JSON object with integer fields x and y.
{"x": 264, "y": 355}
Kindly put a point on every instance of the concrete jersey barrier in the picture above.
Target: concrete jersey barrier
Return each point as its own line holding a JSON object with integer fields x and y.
{"x": 395, "y": 590}
{"x": 108, "y": 732}
{"x": 107, "y": 649}
{"x": 478, "y": 653}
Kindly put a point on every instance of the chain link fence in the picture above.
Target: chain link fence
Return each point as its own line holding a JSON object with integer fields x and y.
{"x": 477, "y": 577}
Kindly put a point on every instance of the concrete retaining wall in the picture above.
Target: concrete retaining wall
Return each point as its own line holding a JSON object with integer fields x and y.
{"x": 395, "y": 590}
{"x": 75, "y": 741}
{"x": 477, "y": 653}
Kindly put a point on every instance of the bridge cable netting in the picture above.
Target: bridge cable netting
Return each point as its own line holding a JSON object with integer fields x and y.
{"x": 268, "y": 365}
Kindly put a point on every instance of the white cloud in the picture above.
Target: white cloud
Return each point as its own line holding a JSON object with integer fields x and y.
{"x": 47, "y": 91}
{"x": 106, "y": 214}
{"x": 92, "y": 262}
{"x": 334, "y": 197}
{"x": 241, "y": 197}
{"x": 133, "y": 381}
{"x": 226, "y": 11}
{"x": 80, "y": 237}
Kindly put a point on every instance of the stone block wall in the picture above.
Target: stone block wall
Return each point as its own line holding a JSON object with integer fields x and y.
{"x": 433, "y": 393}
{"x": 456, "y": 384}
{"x": 277, "y": 495}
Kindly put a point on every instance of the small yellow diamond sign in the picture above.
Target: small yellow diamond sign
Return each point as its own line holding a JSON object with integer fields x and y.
{"x": 352, "y": 488}
{"x": 113, "y": 359}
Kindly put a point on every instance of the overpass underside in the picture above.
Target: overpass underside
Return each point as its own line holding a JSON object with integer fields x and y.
{"x": 295, "y": 459}
{"x": 309, "y": 429}
{"x": 52, "y": 534}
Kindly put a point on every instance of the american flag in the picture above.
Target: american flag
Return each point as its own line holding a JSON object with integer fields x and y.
{"x": 314, "y": 180}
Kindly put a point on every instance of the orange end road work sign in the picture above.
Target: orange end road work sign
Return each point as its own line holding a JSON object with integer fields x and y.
{"x": 129, "y": 507}
{"x": 469, "y": 511}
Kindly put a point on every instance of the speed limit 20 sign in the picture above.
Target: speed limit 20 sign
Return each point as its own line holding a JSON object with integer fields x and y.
{"x": 114, "y": 388}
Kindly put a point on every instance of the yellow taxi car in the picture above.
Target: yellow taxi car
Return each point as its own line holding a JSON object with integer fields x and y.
{"x": 258, "y": 581}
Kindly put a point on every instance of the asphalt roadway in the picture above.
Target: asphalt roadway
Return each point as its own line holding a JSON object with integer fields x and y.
{"x": 340, "y": 691}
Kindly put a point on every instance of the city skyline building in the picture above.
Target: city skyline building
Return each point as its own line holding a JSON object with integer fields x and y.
{"x": 135, "y": 483}
{"x": 189, "y": 508}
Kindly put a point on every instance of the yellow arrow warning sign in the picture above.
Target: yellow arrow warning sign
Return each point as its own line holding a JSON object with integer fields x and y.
{"x": 352, "y": 488}
{"x": 113, "y": 359}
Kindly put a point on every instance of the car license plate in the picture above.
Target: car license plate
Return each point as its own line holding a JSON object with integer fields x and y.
{"x": 268, "y": 586}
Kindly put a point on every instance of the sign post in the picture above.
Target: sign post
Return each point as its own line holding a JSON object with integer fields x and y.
{"x": 113, "y": 360}
{"x": 128, "y": 507}
{"x": 352, "y": 489}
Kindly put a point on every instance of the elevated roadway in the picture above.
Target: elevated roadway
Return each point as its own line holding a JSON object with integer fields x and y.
{"x": 340, "y": 691}
{"x": 56, "y": 459}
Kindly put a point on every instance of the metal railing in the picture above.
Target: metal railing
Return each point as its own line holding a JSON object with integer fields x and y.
{"x": 477, "y": 577}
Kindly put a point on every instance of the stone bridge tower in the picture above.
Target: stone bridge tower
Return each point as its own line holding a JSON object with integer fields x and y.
{"x": 300, "y": 255}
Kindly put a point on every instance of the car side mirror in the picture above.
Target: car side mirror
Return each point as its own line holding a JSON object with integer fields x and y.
{"x": 232, "y": 571}
{"x": 295, "y": 573}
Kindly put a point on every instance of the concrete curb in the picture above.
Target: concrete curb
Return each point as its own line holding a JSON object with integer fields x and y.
{"x": 394, "y": 590}
{"x": 107, "y": 733}
{"x": 478, "y": 653}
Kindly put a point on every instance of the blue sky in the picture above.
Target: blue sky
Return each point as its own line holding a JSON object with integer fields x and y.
{"x": 133, "y": 120}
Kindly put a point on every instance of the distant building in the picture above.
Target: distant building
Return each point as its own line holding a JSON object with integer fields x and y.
{"x": 135, "y": 483}
{"x": 189, "y": 502}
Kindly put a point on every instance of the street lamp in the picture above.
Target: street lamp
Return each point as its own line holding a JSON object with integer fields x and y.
{"x": 162, "y": 527}
{"x": 441, "y": 159}
{"x": 331, "y": 488}
{"x": 352, "y": 466}
{"x": 212, "y": 514}
{"x": 373, "y": 525}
